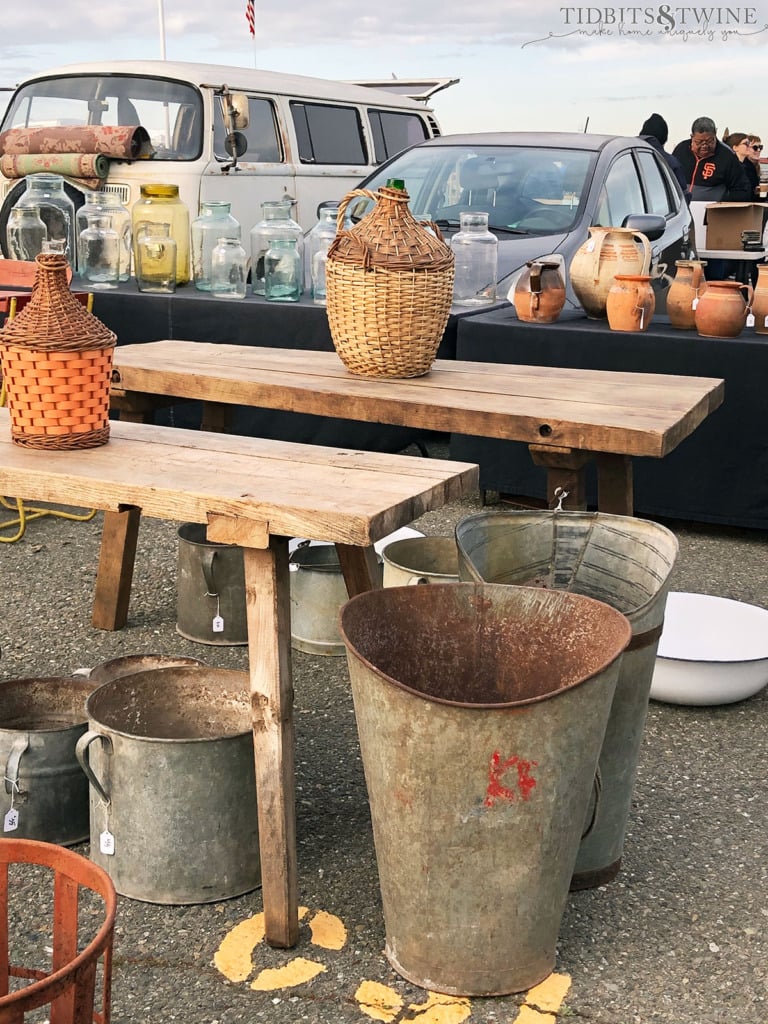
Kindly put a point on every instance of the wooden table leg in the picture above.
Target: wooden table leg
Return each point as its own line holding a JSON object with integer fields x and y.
{"x": 216, "y": 417}
{"x": 566, "y": 471}
{"x": 268, "y": 612}
{"x": 614, "y": 484}
{"x": 360, "y": 567}
{"x": 119, "y": 535}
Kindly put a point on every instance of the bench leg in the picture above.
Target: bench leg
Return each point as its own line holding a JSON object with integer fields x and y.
{"x": 119, "y": 535}
{"x": 360, "y": 567}
{"x": 268, "y": 612}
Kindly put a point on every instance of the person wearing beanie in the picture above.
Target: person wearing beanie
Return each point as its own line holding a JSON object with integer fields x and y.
{"x": 655, "y": 132}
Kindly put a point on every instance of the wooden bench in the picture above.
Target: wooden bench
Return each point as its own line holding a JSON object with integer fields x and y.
{"x": 258, "y": 494}
{"x": 566, "y": 416}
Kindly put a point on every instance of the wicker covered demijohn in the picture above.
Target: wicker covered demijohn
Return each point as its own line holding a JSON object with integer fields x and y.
{"x": 389, "y": 287}
{"x": 57, "y": 364}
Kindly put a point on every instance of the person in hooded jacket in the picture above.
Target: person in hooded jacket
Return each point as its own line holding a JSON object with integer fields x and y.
{"x": 655, "y": 132}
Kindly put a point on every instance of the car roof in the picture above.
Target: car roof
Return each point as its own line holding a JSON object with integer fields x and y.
{"x": 532, "y": 140}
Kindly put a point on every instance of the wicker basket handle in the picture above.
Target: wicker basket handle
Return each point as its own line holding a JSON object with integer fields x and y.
{"x": 342, "y": 210}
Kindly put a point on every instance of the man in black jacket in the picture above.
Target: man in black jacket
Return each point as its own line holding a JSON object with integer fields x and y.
{"x": 713, "y": 170}
{"x": 655, "y": 132}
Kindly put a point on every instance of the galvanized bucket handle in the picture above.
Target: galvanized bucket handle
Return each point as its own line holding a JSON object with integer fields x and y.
{"x": 206, "y": 563}
{"x": 20, "y": 744}
{"x": 81, "y": 753}
{"x": 597, "y": 788}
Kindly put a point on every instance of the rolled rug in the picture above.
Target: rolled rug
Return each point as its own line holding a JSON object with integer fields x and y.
{"x": 124, "y": 142}
{"x": 71, "y": 165}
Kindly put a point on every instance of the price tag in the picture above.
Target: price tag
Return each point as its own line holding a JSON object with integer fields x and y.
{"x": 218, "y": 624}
{"x": 590, "y": 246}
{"x": 107, "y": 843}
{"x": 695, "y": 302}
{"x": 751, "y": 320}
{"x": 11, "y": 820}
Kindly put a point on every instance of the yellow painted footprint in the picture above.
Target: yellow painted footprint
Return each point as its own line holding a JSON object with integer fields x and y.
{"x": 234, "y": 957}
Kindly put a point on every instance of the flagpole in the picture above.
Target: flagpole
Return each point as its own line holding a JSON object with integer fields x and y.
{"x": 161, "y": 21}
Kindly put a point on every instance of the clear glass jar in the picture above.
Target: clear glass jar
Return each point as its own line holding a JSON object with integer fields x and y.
{"x": 26, "y": 232}
{"x": 160, "y": 204}
{"x": 156, "y": 258}
{"x": 45, "y": 193}
{"x": 318, "y": 242}
{"x": 476, "y": 250}
{"x": 109, "y": 203}
{"x": 99, "y": 252}
{"x": 215, "y": 222}
{"x": 229, "y": 269}
{"x": 276, "y": 223}
{"x": 282, "y": 271}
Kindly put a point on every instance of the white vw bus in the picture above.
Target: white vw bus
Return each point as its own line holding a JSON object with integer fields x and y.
{"x": 240, "y": 135}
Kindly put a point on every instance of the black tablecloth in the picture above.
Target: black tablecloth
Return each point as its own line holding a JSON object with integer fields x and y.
{"x": 719, "y": 474}
{"x": 191, "y": 315}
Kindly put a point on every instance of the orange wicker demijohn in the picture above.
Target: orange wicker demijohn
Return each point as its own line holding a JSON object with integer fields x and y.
{"x": 389, "y": 286}
{"x": 57, "y": 364}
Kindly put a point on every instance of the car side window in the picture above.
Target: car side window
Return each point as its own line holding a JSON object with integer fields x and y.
{"x": 659, "y": 200}
{"x": 621, "y": 194}
{"x": 393, "y": 132}
{"x": 328, "y": 134}
{"x": 261, "y": 134}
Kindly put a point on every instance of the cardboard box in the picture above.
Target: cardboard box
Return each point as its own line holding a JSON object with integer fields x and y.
{"x": 725, "y": 222}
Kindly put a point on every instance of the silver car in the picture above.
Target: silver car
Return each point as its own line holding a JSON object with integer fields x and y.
{"x": 542, "y": 192}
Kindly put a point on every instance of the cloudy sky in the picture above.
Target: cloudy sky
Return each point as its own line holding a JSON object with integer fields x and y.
{"x": 523, "y": 66}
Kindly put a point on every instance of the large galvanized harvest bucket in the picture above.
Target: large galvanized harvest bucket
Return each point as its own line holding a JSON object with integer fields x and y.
{"x": 481, "y": 711}
{"x": 623, "y": 561}
{"x": 45, "y": 792}
{"x": 420, "y": 560}
{"x": 210, "y": 590}
{"x": 169, "y": 755}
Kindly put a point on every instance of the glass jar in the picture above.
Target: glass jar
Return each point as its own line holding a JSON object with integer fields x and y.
{"x": 282, "y": 271}
{"x": 26, "y": 232}
{"x": 160, "y": 204}
{"x": 229, "y": 269}
{"x": 215, "y": 222}
{"x": 156, "y": 258}
{"x": 109, "y": 203}
{"x": 318, "y": 242}
{"x": 99, "y": 252}
{"x": 476, "y": 250}
{"x": 276, "y": 223}
{"x": 45, "y": 193}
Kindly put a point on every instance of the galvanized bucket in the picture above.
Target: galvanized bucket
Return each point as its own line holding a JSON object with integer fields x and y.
{"x": 481, "y": 711}
{"x": 623, "y": 561}
{"x": 317, "y": 592}
{"x": 169, "y": 755}
{"x": 45, "y": 795}
{"x": 420, "y": 560}
{"x": 130, "y": 664}
{"x": 210, "y": 598}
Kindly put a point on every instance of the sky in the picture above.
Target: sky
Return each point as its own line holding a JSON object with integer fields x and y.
{"x": 522, "y": 65}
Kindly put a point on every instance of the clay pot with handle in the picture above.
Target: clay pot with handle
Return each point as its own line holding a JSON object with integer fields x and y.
{"x": 760, "y": 300}
{"x": 631, "y": 302}
{"x": 539, "y": 294}
{"x": 606, "y": 253}
{"x": 721, "y": 311}
{"x": 683, "y": 293}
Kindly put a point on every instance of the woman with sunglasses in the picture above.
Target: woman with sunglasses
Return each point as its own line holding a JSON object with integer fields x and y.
{"x": 754, "y": 153}
{"x": 742, "y": 147}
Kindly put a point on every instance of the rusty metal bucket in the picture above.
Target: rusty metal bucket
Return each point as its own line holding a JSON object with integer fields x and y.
{"x": 481, "y": 711}
{"x": 169, "y": 756}
{"x": 623, "y": 561}
{"x": 420, "y": 560}
{"x": 45, "y": 794}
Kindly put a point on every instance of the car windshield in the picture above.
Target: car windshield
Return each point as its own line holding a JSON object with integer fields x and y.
{"x": 523, "y": 190}
{"x": 171, "y": 112}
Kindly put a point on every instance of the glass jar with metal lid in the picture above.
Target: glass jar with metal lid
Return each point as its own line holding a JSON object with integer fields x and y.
{"x": 160, "y": 204}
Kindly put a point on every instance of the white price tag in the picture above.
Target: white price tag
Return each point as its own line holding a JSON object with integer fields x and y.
{"x": 751, "y": 320}
{"x": 695, "y": 302}
{"x": 11, "y": 820}
{"x": 106, "y": 843}
{"x": 218, "y": 624}
{"x": 590, "y": 246}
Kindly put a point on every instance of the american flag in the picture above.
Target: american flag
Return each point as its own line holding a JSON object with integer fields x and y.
{"x": 249, "y": 17}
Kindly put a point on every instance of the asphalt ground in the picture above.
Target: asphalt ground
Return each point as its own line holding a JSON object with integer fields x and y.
{"x": 681, "y": 936}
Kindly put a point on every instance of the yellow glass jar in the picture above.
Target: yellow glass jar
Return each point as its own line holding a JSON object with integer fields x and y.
{"x": 160, "y": 204}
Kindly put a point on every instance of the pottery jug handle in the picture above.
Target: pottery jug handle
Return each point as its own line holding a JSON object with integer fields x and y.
{"x": 647, "y": 254}
{"x": 535, "y": 277}
{"x": 749, "y": 294}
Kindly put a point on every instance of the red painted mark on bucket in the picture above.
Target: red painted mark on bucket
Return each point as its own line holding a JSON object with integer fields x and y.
{"x": 498, "y": 769}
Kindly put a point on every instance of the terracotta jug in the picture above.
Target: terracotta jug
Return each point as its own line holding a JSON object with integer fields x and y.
{"x": 722, "y": 309}
{"x": 683, "y": 293}
{"x": 631, "y": 303}
{"x": 606, "y": 253}
{"x": 539, "y": 294}
{"x": 760, "y": 300}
